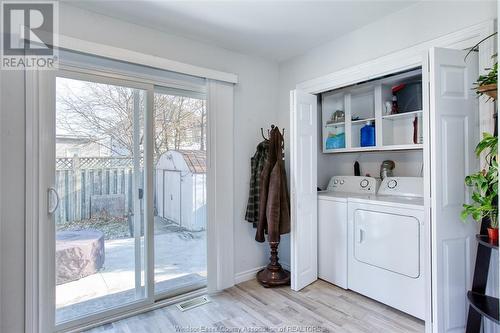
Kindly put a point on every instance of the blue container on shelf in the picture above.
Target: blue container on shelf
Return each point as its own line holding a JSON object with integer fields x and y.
{"x": 367, "y": 134}
{"x": 335, "y": 141}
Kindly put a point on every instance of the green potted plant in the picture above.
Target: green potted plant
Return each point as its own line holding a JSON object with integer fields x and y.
{"x": 484, "y": 186}
{"x": 487, "y": 84}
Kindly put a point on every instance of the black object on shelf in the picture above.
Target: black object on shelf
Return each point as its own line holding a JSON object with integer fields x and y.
{"x": 357, "y": 172}
{"x": 485, "y": 305}
{"x": 481, "y": 305}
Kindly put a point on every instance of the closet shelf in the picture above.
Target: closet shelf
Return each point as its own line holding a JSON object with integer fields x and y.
{"x": 362, "y": 121}
{"x": 335, "y": 124}
{"x": 485, "y": 305}
{"x": 402, "y": 115}
{"x": 375, "y": 148}
{"x": 484, "y": 240}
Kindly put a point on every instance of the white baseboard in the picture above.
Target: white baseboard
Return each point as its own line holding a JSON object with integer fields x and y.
{"x": 250, "y": 274}
{"x": 246, "y": 275}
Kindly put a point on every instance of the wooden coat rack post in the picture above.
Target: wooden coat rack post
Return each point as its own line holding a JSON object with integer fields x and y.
{"x": 273, "y": 274}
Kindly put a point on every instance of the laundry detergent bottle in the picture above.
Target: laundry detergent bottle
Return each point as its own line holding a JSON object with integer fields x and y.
{"x": 367, "y": 134}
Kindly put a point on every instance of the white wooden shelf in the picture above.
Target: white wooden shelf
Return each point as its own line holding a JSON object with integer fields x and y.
{"x": 375, "y": 148}
{"x": 335, "y": 124}
{"x": 367, "y": 101}
{"x": 361, "y": 121}
{"x": 402, "y": 115}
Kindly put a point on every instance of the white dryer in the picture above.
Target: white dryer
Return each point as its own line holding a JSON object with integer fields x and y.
{"x": 386, "y": 245}
{"x": 332, "y": 224}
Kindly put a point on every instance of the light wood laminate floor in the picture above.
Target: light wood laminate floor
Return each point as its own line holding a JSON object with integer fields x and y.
{"x": 248, "y": 307}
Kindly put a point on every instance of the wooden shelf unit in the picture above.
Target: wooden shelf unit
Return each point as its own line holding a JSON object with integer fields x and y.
{"x": 486, "y": 305}
{"x": 480, "y": 304}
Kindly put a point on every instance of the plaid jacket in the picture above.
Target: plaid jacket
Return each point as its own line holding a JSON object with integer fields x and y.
{"x": 257, "y": 164}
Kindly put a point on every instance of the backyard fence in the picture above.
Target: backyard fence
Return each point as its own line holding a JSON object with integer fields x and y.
{"x": 79, "y": 180}
{"x": 93, "y": 186}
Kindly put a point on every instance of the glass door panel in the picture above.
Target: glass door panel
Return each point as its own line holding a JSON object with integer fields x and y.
{"x": 180, "y": 242}
{"x": 99, "y": 223}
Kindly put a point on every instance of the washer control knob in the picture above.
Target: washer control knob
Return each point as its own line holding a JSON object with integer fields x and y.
{"x": 336, "y": 181}
{"x": 392, "y": 184}
{"x": 364, "y": 183}
{"x": 342, "y": 182}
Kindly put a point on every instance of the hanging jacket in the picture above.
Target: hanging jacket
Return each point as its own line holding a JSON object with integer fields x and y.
{"x": 256, "y": 165}
{"x": 274, "y": 205}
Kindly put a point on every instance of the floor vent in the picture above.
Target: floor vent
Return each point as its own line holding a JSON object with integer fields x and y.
{"x": 192, "y": 303}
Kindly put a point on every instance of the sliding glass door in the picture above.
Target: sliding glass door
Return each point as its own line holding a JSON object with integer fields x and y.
{"x": 127, "y": 204}
{"x": 180, "y": 222}
{"x": 99, "y": 178}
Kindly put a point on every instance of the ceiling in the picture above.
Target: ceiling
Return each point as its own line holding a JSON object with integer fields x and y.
{"x": 276, "y": 30}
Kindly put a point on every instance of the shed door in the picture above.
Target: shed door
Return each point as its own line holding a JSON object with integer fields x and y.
{"x": 172, "y": 196}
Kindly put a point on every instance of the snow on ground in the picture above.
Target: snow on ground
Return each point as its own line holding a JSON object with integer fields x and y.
{"x": 178, "y": 253}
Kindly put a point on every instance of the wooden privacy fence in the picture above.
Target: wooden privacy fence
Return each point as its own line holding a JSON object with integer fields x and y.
{"x": 78, "y": 179}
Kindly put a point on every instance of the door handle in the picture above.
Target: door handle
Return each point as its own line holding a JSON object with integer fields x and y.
{"x": 360, "y": 235}
{"x": 52, "y": 207}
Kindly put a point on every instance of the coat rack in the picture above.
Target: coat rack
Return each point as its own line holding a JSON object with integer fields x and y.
{"x": 267, "y": 138}
{"x": 268, "y": 133}
{"x": 273, "y": 274}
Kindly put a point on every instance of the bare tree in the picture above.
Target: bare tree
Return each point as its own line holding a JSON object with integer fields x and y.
{"x": 103, "y": 114}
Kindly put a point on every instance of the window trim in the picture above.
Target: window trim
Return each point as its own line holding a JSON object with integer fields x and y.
{"x": 111, "y": 52}
{"x": 142, "y": 78}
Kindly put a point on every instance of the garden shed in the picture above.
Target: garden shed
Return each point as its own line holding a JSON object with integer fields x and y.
{"x": 180, "y": 188}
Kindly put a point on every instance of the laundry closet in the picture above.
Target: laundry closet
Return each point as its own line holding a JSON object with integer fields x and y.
{"x": 398, "y": 240}
{"x": 372, "y": 143}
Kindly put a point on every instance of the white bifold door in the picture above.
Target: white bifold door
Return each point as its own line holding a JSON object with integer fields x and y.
{"x": 304, "y": 235}
{"x": 451, "y": 122}
{"x": 454, "y": 126}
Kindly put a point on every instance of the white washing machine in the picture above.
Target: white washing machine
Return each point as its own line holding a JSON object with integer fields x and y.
{"x": 332, "y": 224}
{"x": 386, "y": 245}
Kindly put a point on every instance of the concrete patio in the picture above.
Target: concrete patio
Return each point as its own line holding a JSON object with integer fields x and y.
{"x": 180, "y": 261}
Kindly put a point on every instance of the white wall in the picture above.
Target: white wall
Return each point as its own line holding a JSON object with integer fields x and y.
{"x": 255, "y": 107}
{"x": 408, "y": 164}
{"x": 421, "y": 22}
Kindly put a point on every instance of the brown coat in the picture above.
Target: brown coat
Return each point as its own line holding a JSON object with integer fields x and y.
{"x": 274, "y": 201}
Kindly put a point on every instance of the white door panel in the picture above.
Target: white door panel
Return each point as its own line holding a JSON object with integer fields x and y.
{"x": 379, "y": 235}
{"x": 453, "y": 123}
{"x": 303, "y": 187}
{"x": 332, "y": 242}
{"x": 382, "y": 261}
{"x": 172, "y": 196}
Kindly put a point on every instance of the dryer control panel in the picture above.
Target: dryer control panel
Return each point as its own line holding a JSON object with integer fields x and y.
{"x": 353, "y": 184}
{"x": 402, "y": 186}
